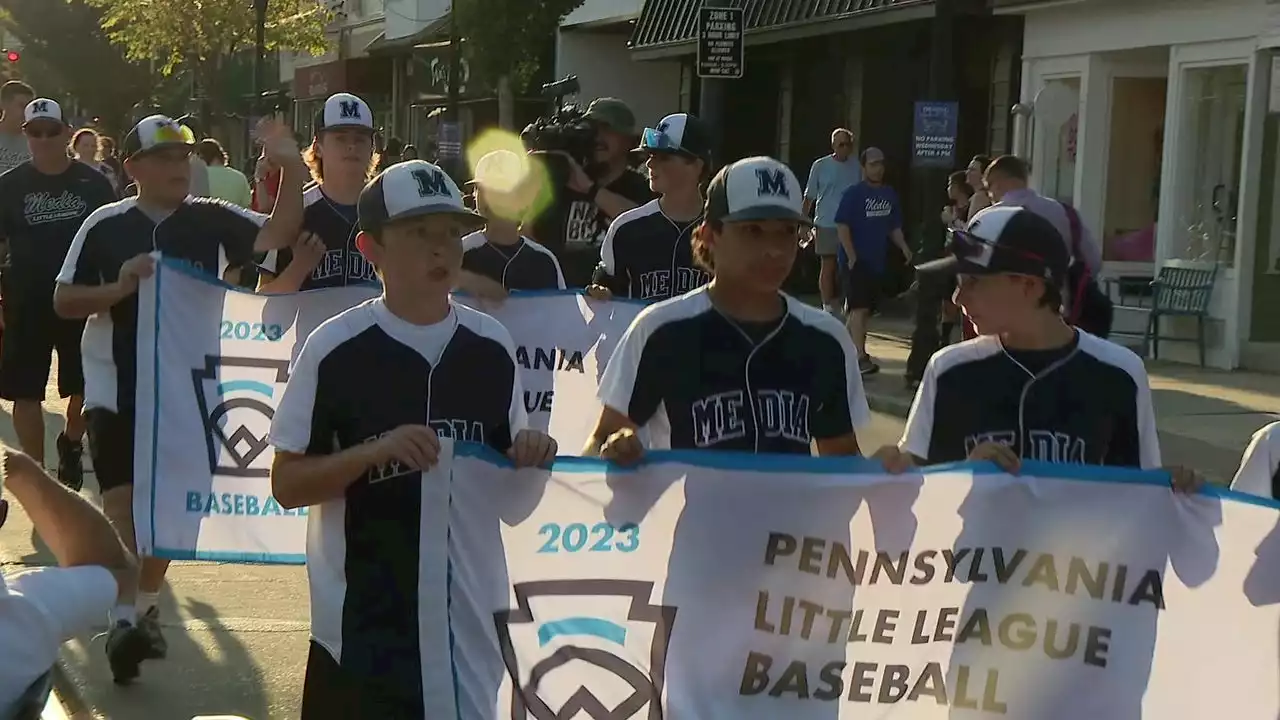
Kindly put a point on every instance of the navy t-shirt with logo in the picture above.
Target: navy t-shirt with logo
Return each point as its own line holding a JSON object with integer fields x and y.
{"x": 690, "y": 377}
{"x": 872, "y": 212}
{"x": 335, "y": 224}
{"x": 39, "y": 217}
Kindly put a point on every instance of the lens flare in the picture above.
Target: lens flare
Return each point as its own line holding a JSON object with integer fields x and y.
{"x": 510, "y": 183}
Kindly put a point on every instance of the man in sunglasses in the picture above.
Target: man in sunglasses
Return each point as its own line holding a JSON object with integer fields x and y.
{"x": 43, "y": 202}
{"x": 1030, "y": 386}
{"x": 647, "y": 253}
{"x": 42, "y": 608}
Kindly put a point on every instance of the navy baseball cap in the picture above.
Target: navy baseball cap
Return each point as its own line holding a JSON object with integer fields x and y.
{"x": 343, "y": 110}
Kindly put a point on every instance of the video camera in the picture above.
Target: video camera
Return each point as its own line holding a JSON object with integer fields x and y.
{"x": 566, "y": 129}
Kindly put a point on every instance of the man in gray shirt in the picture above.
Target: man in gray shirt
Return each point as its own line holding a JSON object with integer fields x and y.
{"x": 14, "y": 96}
{"x": 829, "y": 177}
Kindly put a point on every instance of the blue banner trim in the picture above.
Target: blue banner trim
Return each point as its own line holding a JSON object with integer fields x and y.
{"x": 723, "y": 460}
{"x": 231, "y": 557}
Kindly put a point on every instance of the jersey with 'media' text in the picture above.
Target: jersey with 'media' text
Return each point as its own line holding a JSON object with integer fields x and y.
{"x": 359, "y": 376}
{"x": 525, "y": 265}
{"x": 334, "y": 223}
{"x": 207, "y": 234}
{"x": 690, "y": 377}
{"x": 1086, "y": 403}
{"x": 648, "y": 256}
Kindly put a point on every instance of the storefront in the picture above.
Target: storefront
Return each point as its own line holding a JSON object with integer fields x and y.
{"x": 1151, "y": 117}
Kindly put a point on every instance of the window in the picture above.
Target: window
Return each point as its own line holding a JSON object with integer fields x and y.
{"x": 1056, "y": 122}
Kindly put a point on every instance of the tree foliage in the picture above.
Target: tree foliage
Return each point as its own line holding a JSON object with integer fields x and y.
{"x": 64, "y": 54}
{"x": 201, "y": 32}
{"x": 509, "y": 37}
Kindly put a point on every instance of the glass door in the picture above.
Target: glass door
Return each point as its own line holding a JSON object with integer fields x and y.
{"x": 1211, "y": 150}
{"x": 1056, "y": 116}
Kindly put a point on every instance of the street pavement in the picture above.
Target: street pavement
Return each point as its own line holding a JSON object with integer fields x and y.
{"x": 237, "y": 633}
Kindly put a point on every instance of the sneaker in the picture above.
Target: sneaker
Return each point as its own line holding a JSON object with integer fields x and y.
{"x": 867, "y": 366}
{"x": 70, "y": 463}
{"x": 149, "y": 624}
{"x": 127, "y": 647}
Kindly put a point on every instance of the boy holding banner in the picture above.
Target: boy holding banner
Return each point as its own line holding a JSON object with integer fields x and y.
{"x": 368, "y": 397}
{"x": 497, "y": 258}
{"x": 112, "y": 251}
{"x": 1030, "y": 386}
{"x": 736, "y": 364}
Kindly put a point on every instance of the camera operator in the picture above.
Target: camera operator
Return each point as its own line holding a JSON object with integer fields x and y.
{"x": 589, "y": 198}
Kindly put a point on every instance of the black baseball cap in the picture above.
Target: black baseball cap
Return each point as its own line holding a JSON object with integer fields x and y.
{"x": 678, "y": 134}
{"x": 410, "y": 189}
{"x": 757, "y": 188}
{"x": 1005, "y": 240}
{"x": 156, "y": 132}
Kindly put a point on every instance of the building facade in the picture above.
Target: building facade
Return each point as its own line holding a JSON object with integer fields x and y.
{"x": 1154, "y": 118}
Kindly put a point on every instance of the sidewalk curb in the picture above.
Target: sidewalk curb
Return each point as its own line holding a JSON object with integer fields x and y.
{"x": 67, "y": 695}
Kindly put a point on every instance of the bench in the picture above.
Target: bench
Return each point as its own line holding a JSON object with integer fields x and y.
{"x": 1181, "y": 289}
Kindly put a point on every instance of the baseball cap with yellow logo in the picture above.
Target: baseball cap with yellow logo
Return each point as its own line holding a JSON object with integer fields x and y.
{"x": 156, "y": 133}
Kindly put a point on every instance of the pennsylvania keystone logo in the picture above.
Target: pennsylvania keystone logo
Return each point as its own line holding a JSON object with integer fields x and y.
{"x": 237, "y": 398}
{"x": 631, "y": 645}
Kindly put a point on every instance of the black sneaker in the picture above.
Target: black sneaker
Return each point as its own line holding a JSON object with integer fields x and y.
{"x": 70, "y": 463}
{"x": 149, "y": 624}
{"x": 127, "y": 647}
{"x": 867, "y": 366}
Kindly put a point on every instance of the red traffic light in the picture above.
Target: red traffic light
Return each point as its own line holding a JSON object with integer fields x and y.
{"x": 13, "y": 56}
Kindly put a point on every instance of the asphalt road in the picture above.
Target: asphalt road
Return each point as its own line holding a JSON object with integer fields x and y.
{"x": 237, "y": 633}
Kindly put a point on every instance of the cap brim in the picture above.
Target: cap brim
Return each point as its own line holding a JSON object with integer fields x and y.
{"x": 952, "y": 265}
{"x": 44, "y": 118}
{"x": 162, "y": 146}
{"x": 437, "y": 209}
{"x": 767, "y": 212}
{"x": 345, "y": 126}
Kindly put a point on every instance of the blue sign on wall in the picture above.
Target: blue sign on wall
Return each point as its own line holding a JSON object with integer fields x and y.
{"x": 933, "y": 142}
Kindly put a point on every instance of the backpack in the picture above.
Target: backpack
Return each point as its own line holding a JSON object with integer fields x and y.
{"x": 1090, "y": 310}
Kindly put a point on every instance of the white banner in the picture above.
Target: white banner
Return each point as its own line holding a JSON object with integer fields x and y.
{"x": 718, "y": 586}
{"x": 213, "y": 360}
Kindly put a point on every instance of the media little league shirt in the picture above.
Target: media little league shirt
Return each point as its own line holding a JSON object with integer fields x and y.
{"x": 871, "y": 212}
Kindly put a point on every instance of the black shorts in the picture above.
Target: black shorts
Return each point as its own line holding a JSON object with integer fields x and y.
{"x": 861, "y": 287}
{"x": 32, "y": 333}
{"x": 331, "y": 693}
{"x": 110, "y": 447}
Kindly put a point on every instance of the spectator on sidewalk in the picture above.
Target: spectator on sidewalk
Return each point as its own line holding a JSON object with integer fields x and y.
{"x": 868, "y": 218}
{"x": 935, "y": 312}
{"x": 981, "y": 199}
{"x": 829, "y": 177}
{"x": 42, "y": 608}
{"x": 14, "y": 96}
{"x": 199, "y": 169}
{"x": 225, "y": 182}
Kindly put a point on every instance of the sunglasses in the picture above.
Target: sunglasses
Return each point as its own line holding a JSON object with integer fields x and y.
{"x": 966, "y": 246}
{"x": 658, "y": 140}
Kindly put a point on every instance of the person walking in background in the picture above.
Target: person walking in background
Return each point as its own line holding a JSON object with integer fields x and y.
{"x": 868, "y": 218}
{"x": 14, "y": 96}
{"x": 933, "y": 302}
{"x": 973, "y": 175}
{"x": 225, "y": 182}
{"x": 199, "y": 170}
{"x": 829, "y": 177}
{"x": 111, "y": 163}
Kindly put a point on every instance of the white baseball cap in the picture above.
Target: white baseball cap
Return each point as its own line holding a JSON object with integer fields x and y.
{"x": 156, "y": 133}
{"x": 501, "y": 170}
{"x": 410, "y": 189}
{"x": 344, "y": 110}
{"x": 42, "y": 109}
{"x": 755, "y": 188}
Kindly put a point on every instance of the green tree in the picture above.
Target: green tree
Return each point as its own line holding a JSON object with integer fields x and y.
{"x": 64, "y": 55}
{"x": 203, "y": 35}
{"x": 506, "y": 40}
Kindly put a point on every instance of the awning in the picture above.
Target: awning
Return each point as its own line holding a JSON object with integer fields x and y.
{"x": 670, "y": 24}
{"x": 435, "y": 30}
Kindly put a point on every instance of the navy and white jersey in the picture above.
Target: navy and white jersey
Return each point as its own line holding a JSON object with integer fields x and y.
{"x": 523, "y": 266}
{"x": 208, "y": 234}
{"x": 360, "y": 375}
{"x": 1086, "y": 403}
{"x": 691, "y": 377}
{"x": 335, "y": 224}
{"x": 648, "y": 256}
